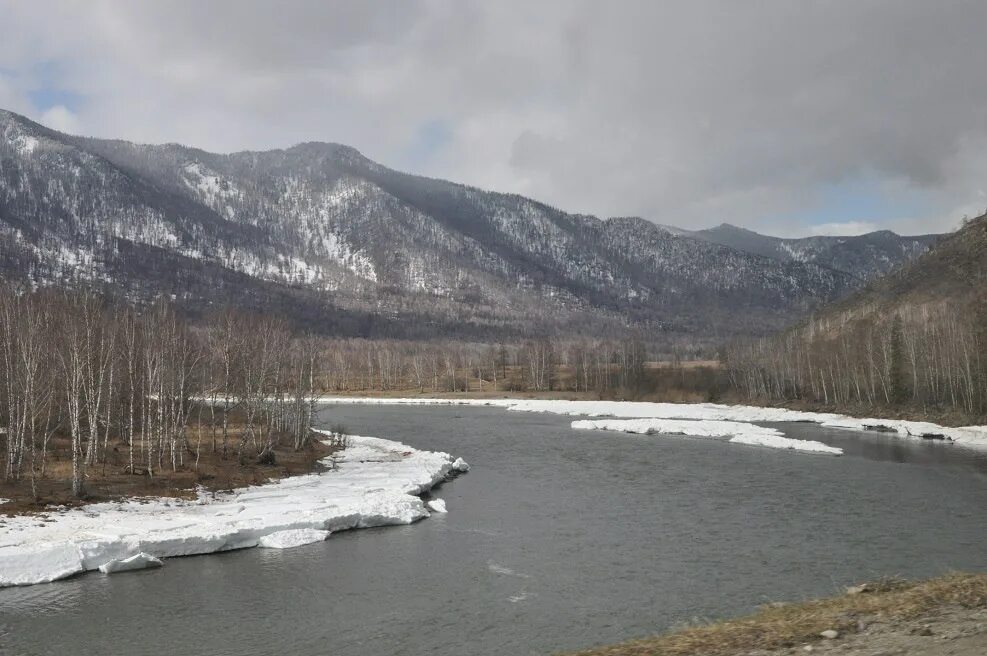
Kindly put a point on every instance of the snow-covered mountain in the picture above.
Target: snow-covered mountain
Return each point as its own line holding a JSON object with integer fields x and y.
{"x": 863, "y": 256}
{"x": 323, "y": 235}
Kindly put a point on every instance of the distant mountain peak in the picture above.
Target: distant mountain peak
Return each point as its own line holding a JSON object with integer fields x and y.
{"x": 731, "y": 227}
{"x": 863, "y": 256}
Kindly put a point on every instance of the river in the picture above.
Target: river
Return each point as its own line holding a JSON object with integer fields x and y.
{"x": 557, "y": 539}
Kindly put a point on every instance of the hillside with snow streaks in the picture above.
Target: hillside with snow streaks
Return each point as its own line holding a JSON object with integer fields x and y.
{"x": 863, "y": 256}
{"x": 334, "y": 241}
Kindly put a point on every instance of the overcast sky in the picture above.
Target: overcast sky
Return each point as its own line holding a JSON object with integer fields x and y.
{"x": 791, "y": 117}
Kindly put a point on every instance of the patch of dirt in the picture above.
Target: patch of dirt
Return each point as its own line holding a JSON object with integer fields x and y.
{"x": 947, "y": 615}
{"x": 954, "y": 631}
{"x": 113, "y": 480}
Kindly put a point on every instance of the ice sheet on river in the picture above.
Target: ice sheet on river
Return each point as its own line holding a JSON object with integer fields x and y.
{"x": 737, "y": 432}
{"x": 971, "y": 436}
{"x": 375, "y": 484}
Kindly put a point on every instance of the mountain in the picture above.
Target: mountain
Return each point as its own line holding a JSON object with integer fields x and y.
{"x": 337, "y": 243}
{"x": 863, "y": 256}
{"x": 953, "y": 272}
{"x": 913, "y": 341}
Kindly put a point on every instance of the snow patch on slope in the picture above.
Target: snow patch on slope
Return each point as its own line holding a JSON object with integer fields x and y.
{"x": 211, "y": 188}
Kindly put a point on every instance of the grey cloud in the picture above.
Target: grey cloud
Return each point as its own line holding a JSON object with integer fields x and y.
{"x": 688, "y": 113}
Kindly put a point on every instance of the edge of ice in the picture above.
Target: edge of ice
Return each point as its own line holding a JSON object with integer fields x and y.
{"x": 968, "y": 436}
{"x": 375, "y": 483}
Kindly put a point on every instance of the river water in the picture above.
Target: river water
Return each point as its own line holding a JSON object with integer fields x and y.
{"x": 557, "y": 539}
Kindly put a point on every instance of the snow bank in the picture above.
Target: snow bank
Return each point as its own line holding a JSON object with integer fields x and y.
{"x": 738, "y": 432}
{"x": 137, "y": 561}
{"x": 375, "y": 484}
{"x": 782, "y": 442}
{"x": 969, "y": 436}
{"x": 437, "y": 505}
{"x": 292, "y": 538}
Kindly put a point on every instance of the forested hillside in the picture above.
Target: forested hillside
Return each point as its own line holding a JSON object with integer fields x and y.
{"x": 335, "y": 243}
{"x": 914, "y": 338}
{"x": 863, "y": 256}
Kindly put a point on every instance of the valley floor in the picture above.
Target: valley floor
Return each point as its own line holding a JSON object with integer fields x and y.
{"x": 947, "y": 615}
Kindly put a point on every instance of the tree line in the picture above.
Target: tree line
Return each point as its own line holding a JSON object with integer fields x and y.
{"x": 537, "y": 365}
{"x": 91, "y": 380}
{"x": 98, "y": 375}
{"x": 920, "y": 355}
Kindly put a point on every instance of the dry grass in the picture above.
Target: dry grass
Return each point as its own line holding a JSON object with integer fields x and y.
{"x": 780, "y": 626}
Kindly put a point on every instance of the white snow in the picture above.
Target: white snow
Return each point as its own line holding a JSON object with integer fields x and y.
{"x": 292, "y": 538}
{"x": 968, "y": 436}
{"x": 782, "y": 442}
{"x": 137, "y": 561}
{"x": 375, "y": 483}
{"x": 3, "y": 501}
{"x": 437, "y": 505}
{"x": 213, "y": 189}
{"x": 738, "y": 432}
{"x": 25, "y": 144}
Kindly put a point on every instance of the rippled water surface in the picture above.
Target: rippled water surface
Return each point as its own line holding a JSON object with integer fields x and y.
{"x": 557, "y": 539}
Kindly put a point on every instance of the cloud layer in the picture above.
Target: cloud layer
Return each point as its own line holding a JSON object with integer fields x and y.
{"x": 686, "y": 113}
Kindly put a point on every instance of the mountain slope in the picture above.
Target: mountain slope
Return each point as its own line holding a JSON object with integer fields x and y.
{"x": 954, "y": 271}
{"x": 863, "y": 256}
{"x": 914, "y": 340}
{"x": 339, "y": 243}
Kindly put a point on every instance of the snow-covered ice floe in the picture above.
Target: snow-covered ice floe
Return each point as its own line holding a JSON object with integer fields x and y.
{"x": 292, "y": 538}
{"x": 969, "y": 436}
{"x": 737, "y": 432}
{"x": 137, "y": 561}
{"x": 436, "y": 505}
{"x": 375, "y": 483}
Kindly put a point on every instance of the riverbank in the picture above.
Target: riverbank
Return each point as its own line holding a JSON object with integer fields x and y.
{"x": 370, "y": 482}
{"x": 946, "y": 615}
{"x": 702, "y": 414}
{"x": 199, "y": 467}
{"x": 943, "y": 416}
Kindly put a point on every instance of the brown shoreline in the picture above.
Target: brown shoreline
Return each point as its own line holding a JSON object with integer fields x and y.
{"x": 945, "y": 615}
{"x": 112, "y": 481}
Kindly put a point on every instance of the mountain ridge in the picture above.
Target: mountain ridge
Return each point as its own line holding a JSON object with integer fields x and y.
{"x": 321, "y": 223}
{"x": 865, "y": 255}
